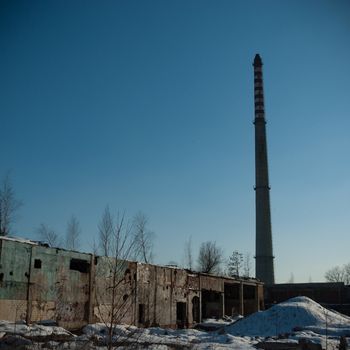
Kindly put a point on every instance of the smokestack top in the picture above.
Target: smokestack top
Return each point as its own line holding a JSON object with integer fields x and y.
{"x": 257, "y": 61}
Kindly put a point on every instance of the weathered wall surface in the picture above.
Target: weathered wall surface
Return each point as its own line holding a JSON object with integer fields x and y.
{"x": 14, "y": 269}
{"x": 114, "y": 291}
{"x": 40, "y": 283}
{"x": 59, "y": 285}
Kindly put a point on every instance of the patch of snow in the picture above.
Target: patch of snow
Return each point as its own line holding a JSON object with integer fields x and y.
{"x": 34, "y": 330}
{"x": 16, "y": 239}
{"x": 301, "y": 313}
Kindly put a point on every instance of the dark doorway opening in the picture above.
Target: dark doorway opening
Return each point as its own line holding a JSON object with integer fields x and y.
{"x": 141, "y": 313}
{"x": 249, "y": 292}
{"x": 231, "y": 299}
{"x": 195, "y": 310}
{"x": 211, "y": 304}
{"x": 181, "y": 314}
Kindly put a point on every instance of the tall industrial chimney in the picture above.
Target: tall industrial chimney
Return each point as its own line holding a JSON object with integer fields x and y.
{"x": 264, "y": 269}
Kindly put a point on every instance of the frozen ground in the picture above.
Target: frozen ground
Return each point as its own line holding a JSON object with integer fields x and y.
{"x": 300, "y": 312}
{"x": 295, "y": 319}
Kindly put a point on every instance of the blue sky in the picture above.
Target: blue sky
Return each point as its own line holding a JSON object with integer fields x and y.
{"x": 148, "y": 105}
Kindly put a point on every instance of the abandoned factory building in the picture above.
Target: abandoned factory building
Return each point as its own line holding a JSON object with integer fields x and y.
{"x": 40, "y": 283}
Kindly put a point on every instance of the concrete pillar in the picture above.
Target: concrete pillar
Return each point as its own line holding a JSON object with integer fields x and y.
{"x": 91, "y": 289}
{"x": 223, "y": 298}
{"x": 256, "y": 297}
{"x": 29, "y": 288}
{"x": 223, "y": 304}
{"x": 200, "y": 298}
{"x": 155, "y": 296}
{"x": 241, "y": 299}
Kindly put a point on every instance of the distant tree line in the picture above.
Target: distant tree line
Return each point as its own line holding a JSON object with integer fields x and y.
{"x": 338, "y": 274}
{"x": 211, "y": 260}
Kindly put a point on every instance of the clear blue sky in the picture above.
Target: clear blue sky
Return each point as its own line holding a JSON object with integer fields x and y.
{"x": 148, "y": 105}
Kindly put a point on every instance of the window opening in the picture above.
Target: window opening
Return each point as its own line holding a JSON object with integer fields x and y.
{"x": 37, "y": 264}
{"x": 79, "y": 265}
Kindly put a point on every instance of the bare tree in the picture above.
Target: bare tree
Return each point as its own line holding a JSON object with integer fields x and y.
{"x": 338, "y": 274}
{"x": 48, "y": 235}
{"x": 115, "y": 288}
{"x": 106, "y": 232}
{"x": 247, "y": 265}
{"x": 235, "y": 263}
{"x": 291, "y": 278}
{"x": 73, "y": 233}
{"x": 9, "y": 205}
{"x": 210, "y": 257}
{"x": 94, "y": 247}
{"x": 188, "y": 254}
{"x": 143, "y": 238}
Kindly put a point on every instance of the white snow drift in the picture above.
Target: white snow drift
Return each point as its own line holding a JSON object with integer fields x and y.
{"x": 300, "y": 313}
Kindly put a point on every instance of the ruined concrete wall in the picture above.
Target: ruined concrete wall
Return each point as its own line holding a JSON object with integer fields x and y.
{"x": 114, "y": 291}
{"x": 180, "y": 301}
{"x": 163, "y": 311}
{"x": 14, "y": 269}
{"x": 59, "y": 286}
{"x": 160, "y": 290}
{"x": 146, "y": 294}
{"x": 212, "y": 283}
{"x": 39, "y": 283}
{"x": 193, "y": 298}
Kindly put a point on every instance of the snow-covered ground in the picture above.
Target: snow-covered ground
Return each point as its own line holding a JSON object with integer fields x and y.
{"x": 296, "y": 319}
{"x": 300, "y": 312}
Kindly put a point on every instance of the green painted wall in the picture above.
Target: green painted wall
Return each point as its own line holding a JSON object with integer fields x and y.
{"x": 14, "y": 269}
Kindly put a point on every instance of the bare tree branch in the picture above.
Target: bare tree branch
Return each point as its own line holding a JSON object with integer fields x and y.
{"x": 235, "y": 263}
{"x": 115, "y": 290}
{"x": 247, "y": 265}
{"x": 188, "y": 254}
{"x": 210, "y": 257}
{"x": 338, "y": 274}
{"x": 9, "y": 206}
{"x": 143, "y": 238}
{"x": 48, "y": 235}
{"x": 73, "y": 233}
{"x": 106, "y": 232}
